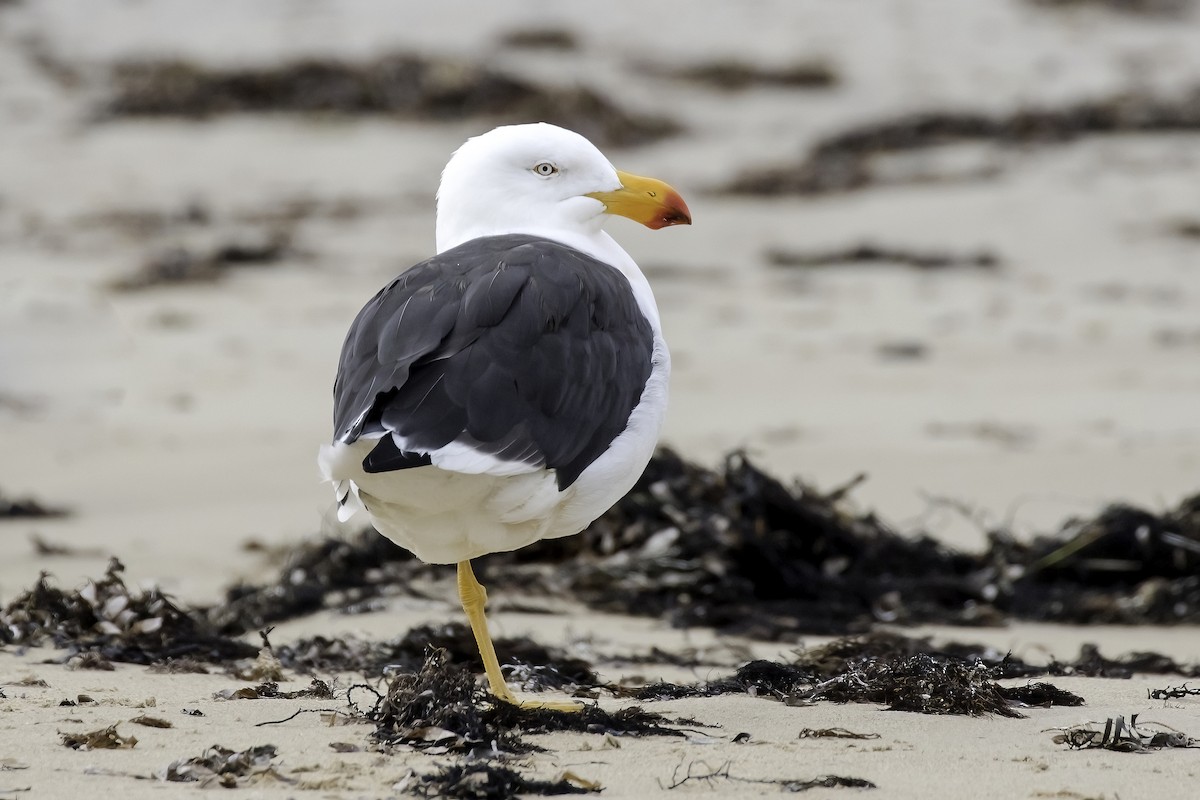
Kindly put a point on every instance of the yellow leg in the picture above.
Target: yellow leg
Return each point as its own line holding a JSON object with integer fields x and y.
{"x": 474, "y": 601}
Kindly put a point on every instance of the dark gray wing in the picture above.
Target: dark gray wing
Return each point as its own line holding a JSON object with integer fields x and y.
{"x": 519, "y": 347}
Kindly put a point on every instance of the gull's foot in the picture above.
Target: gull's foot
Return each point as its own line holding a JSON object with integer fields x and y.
{"x": 573, "y": 706}
{"x": 549, "y": 705}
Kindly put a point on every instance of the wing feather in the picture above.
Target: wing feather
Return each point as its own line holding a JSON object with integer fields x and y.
{"x": 507, "y": 353}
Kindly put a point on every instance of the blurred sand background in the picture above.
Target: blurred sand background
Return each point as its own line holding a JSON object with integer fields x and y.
{"x": 179, "y": 422}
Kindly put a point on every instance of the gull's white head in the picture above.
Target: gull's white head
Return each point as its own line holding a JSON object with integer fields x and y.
{"x": 546, "y": 181}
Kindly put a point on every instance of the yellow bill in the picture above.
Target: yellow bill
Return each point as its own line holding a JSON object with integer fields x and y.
{"x": 645, "y": 200}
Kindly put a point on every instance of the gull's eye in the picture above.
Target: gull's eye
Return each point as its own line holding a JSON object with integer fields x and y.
{"x": 545, "y": 169}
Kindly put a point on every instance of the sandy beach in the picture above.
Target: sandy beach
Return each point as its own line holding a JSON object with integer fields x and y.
{"x": 1023, "y": 353}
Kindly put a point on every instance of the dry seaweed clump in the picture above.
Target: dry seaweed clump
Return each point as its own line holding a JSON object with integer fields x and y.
{"x": 1126, "y": 565}
{"x": 739, "y": 550}
{"x": 733, "y": 75}
{"x": 1123, "y": 736}
{"x": 1173, "y": 692}
{"x": 398, "y": 84}
{"x": 1092, "y": 664}
{"x": 102, "y": 739}
{"x": 540, "y": 39}
{"x": 1170, "y": 8}
{"x": 220, "y": 767}
{"x": 441, "y": 709}
{"x": 27, "y": 508}
{"x": 106, "y": 618}
{"x": 483, "y": 780}
{"x": 1185, "y": 228}
{"x": 180, "y": 265}
{"x": 867, "y": 253}
{"x": 269, "y": 690}
{"x": 928, "y": 686}
{"x": 900, "y": 673}
{"x": 844, "y": 161}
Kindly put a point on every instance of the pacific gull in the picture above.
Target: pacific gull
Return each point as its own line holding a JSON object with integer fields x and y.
{"x": 512, "y": 387}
